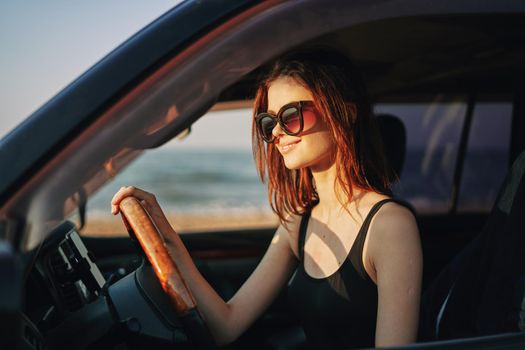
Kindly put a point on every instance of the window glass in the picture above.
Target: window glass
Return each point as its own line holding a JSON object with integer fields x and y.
{"x": 486, "y": 160}
{"x": 433, "y": 130}
{"x": 207, "y": 181}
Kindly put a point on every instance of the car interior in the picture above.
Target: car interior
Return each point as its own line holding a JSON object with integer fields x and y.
{"x": 434, "y": 77}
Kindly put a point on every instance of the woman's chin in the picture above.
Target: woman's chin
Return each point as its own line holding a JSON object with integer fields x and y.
{"x": 315, "y": 164}
{"x": 293, "y": 164}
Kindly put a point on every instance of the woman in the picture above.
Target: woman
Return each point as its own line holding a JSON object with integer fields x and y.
{"x": 355, "y": 251}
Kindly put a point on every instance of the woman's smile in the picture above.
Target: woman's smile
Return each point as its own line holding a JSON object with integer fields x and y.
{"x": 285, "y": 147}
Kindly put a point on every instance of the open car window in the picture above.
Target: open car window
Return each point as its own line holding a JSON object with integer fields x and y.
{"x": 206, "y": 181}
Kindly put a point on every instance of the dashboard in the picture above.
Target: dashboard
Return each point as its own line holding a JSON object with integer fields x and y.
{"x": 66, "y": 275}
{"x": 71, "y": 303}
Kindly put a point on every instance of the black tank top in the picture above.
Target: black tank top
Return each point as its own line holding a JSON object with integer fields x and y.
{"x": 339, "y": 311}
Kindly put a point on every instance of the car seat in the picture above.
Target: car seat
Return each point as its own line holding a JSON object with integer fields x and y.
{"x": 482, "y": 291}
{"x": 394, "y": 138}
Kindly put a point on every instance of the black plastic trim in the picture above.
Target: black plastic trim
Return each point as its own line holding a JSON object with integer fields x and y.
{"x": 508, "y": 341}
{"x": 517, "y": 142}
{"x": 462, "y": 152}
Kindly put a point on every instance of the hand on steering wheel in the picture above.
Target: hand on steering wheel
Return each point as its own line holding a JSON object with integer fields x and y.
{"x": 137, "y": 219}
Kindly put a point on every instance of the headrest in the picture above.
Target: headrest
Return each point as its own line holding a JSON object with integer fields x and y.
{"x": 394, "y": 139}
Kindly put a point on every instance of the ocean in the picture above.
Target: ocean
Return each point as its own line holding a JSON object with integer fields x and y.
{"x": 224, "y": 181}
{"x": 192, "y": 181}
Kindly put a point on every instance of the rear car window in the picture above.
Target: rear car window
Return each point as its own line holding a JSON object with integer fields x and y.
{"x": 487, "y": 157}
{"x": 433, "y": 131}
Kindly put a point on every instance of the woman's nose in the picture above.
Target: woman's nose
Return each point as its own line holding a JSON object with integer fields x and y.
{"x": 277, "y": 130}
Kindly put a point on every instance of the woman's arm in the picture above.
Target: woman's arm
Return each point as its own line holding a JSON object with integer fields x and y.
{"x": 226, "y": 321}
{"x": 397, "y": 259}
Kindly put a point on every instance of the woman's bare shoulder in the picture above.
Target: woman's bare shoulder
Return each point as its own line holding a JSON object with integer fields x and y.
{"x": 394, "y": 224}
{"x": 290, "y": 232}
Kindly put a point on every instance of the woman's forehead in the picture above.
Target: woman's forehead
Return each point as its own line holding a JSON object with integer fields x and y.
{"x": 285, "y": 90}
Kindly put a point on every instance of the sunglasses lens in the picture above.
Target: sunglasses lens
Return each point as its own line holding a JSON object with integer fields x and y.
{"x": 291, "y": 119}
{"x": 266, "y": 125}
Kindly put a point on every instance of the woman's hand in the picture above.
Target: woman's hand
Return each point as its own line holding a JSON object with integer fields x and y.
{"x": 149, "y": 202}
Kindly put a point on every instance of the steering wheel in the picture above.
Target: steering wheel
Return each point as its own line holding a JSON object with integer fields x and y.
{"x": 139, "y": 222}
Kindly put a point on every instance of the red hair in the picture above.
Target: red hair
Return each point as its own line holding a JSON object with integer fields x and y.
{"x": 342, "y": 101}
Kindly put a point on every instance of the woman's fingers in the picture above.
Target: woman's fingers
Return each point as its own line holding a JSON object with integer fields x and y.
{"x": 131, "y": 191}
{"x": 148, "y": 201}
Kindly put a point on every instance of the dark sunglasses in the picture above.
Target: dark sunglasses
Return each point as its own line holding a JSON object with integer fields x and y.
{"x": 290, "y": 119}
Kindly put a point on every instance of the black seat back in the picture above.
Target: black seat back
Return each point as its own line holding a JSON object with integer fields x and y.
{"x": 482, "y": 290}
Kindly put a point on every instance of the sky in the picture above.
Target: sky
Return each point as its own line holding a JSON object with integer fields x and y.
{"x": 45, "y": 45}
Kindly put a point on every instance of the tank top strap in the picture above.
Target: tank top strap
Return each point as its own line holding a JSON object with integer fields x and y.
{"x": 302, "y": 234}
{"x": 361, "y": 235}
{"x": 356, "y": 253}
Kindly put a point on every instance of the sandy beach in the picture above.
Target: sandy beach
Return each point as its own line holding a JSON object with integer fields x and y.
{"x": 107, "y": 226}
